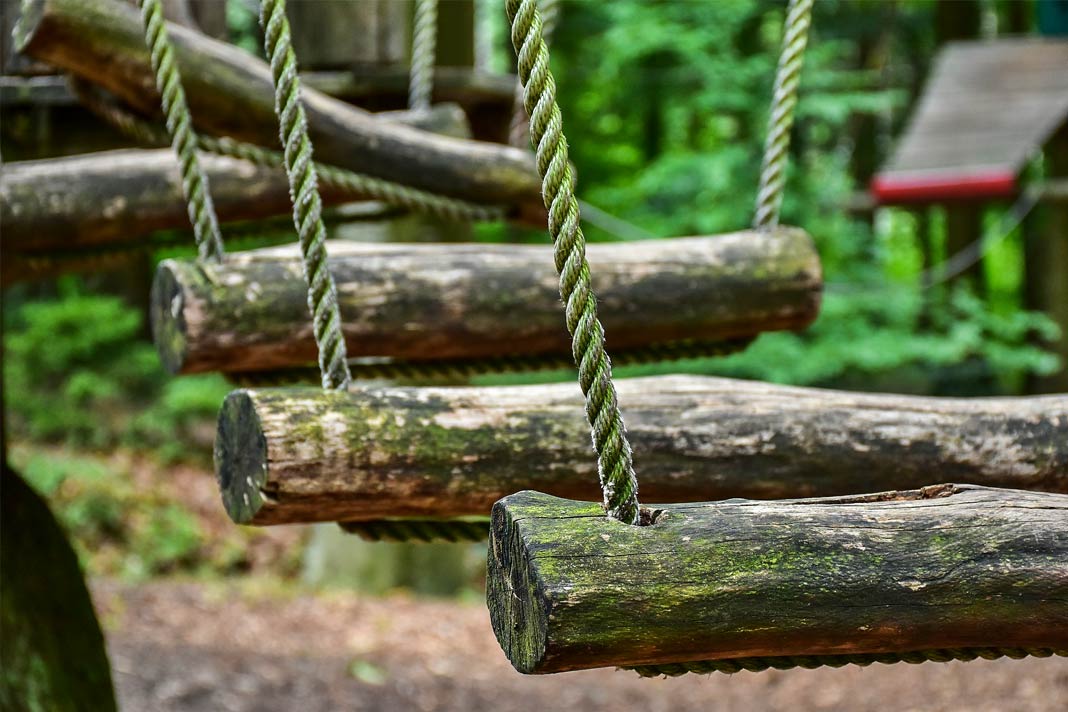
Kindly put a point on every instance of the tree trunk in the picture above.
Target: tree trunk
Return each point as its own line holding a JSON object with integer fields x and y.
{"x": 230, "y": 93}
{"x": 53, "y": 651}
{"x": 301, "y": 455}
{"x": 429, "y": 302}
{"x": 945, "y": 567}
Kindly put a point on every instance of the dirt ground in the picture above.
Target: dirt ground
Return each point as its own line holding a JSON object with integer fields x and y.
{"x": 234, "y": 648}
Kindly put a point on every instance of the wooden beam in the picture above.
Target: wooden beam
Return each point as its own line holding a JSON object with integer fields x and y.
{"x": 940, "y": 568}
{"x": 303, "y": 455}
{"x": 119, "y": 196}
{"x": 230, "y": 93}
{"x": 426, "y": 302}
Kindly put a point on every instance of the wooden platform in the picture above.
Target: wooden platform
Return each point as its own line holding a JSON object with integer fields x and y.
{"x": 986, "y": 108}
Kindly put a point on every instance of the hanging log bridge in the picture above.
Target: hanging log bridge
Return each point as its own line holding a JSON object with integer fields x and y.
{"x": 230, "y": 94}
{"x": 456, "y": 301}
{"x": 305, "y": 455}
{"x": 941, "y": 572}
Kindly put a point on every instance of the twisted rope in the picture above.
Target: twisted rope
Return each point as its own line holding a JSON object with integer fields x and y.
{"x": 424, "y": 48}
{"x": 307, "y": 205}
{"x": 182, "y": 136}
{"x": 422, "y": 530}
{"x": 356, "y": 185}
{"x": 614, "y": 460}
{"x": 781, "y": 120}
{"x": 519, "y": 130}
{"x": 454, "y": 369}
{"x": 809, "y": 662}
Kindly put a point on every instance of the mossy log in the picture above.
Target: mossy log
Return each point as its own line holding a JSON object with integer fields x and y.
{"x": 425, "y": 302}
{"x": 304, "y": 455}
{"x": 230, "y": 93}
{"x": 945, "y": 567}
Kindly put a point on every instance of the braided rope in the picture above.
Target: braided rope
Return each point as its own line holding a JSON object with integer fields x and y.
{"x": 421, "y": 530}
{"x": 455, "y": 369}
{"x": 424, "y": 49}
{"x": 614, "y": 460}
{"x": 519, "y": 130}
{"x": 781, "y": 120}
{"x": 357, "y": 185}
{"x": 809, "y": 662}
{"x": 307, "y": 205}
{"x": 183, "y": 138}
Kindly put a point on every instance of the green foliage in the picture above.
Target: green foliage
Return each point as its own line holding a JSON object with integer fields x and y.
{"x": 665, "y": 105}
{"x": 117, "y": 528}
{"x": 78, "y": 371}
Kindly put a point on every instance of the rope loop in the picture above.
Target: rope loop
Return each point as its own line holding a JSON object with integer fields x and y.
{"x": 614, "y": 459}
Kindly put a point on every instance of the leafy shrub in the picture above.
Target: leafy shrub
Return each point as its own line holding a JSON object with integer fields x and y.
{"x": 116, "y": 527}
{"x": 76, "y": 371}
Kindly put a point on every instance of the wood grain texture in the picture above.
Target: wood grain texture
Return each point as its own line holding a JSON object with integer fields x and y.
{"x": 230, "y": 93}
{"x": 457, "y": 301}
{"x": 302, "y": 455}
{"x": 943, "y": 567}
{"x": 986, "y": 107}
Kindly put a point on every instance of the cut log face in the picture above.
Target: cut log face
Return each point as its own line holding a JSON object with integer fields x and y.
{"x": 230, "y": 93}
{"x": 943, "y": 567}
{"x": 424, "y": 302}
{"x": 286, "y": 455}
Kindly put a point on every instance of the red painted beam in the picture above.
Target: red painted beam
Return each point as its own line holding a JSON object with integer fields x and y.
{"x": 899, "y": 188}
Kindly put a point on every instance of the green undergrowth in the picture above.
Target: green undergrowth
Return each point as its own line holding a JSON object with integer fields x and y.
{"x": 134, "y": 518}
{"x": 78, "y": 371}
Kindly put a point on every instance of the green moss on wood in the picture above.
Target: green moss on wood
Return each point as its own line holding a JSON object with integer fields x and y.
{"x": 956, "y": 567}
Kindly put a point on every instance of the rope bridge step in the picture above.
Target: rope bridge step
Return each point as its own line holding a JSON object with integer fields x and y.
{"x": 299, "y": 455}
{"x": 468, "y": 301}
{"x": 945, "y": 572}
{"x": 230, "y": 93}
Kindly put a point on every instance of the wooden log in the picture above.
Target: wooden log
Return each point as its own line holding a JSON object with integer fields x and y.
{"x": 940, "y": 568}
{"x": 117, "y": 196}
{"x": 465, "y": 301}
{"x": 300, "y": 455}
{"x": 230, "y": 93}
{"x": 120, "y": 196}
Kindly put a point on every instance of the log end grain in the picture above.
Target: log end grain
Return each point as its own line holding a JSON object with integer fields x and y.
{"x": 241, "y": 457}
{"x": 167, "y": 314}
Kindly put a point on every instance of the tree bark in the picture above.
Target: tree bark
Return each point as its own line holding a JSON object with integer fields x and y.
{"x": 425, "y": 302}
{"x": 301, "y": 455}
{"x": 943, "y": 567}
{"x": 230, "y": 93}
